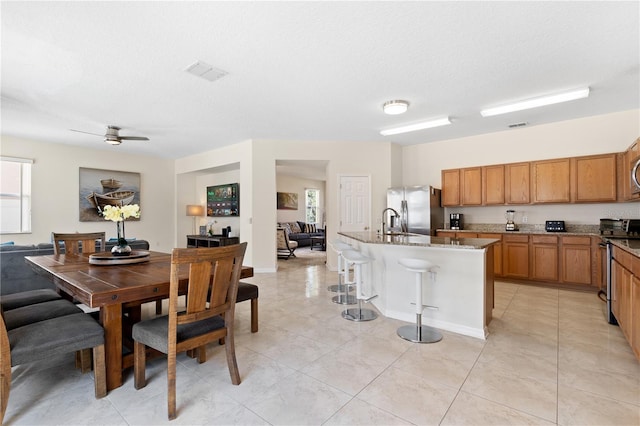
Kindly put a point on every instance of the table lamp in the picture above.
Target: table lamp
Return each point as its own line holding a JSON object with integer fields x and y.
{"x": 194, "y": 210}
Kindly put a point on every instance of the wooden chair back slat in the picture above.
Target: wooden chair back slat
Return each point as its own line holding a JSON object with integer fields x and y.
{"x": 199, "y": 279}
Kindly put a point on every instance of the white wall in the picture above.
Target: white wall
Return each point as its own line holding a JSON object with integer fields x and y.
{"x": 285, "y": 183}
{"x": 55, "y": 189}
{"x": 593, "y": 135}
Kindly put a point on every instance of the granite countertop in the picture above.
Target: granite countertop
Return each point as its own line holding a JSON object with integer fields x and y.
{"x": 632, "y": 246}
{"x": 420, "y": 240}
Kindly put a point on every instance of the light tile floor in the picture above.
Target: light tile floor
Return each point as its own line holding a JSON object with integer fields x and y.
{"x": 550, "y": 359}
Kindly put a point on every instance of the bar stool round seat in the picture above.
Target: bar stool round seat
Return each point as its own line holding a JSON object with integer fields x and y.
{"x": 419, "y": 333}
{"x": 357, "y": 259}
{"x": 342, "y": 288}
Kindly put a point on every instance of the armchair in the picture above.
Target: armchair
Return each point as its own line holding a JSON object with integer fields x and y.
{"x": 286, "y": 247}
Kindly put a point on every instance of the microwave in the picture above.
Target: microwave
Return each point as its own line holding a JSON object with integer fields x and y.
{"x": 635, "y": 176}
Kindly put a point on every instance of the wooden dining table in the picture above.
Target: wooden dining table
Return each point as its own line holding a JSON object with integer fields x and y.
{"x": 114, "y": 289}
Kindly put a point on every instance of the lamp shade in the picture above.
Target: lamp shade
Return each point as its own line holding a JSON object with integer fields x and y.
{"x": 195, "y": 210}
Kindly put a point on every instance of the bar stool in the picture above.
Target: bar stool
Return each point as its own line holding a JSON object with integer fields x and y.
{"x": 357, "y": 259}
{"x": 342, "y": 288}
{"x": 419, "y": 333}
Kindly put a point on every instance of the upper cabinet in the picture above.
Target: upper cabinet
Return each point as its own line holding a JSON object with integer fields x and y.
{"x": 551, "y": 181}
{"x": 517, "y": 183}
{"x": 594, "y": 179}
{"x": 471, "y": 186}
{"x": 588, "y": 179}
{"x": 451, "y": 187}
{"x": 493, "y": 183}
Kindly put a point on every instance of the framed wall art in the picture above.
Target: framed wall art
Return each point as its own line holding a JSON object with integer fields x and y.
{"x": 99, "y": 188}
{"x": 287, "y": 200}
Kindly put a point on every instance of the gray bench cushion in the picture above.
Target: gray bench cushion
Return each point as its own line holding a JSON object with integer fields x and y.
{"x": 44, "y": 339}
{"x": 39, "y": 312}
{"x": 18, "y": 300}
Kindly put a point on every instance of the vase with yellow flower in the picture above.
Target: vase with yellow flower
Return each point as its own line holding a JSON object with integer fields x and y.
{"x": 119, "y": 214}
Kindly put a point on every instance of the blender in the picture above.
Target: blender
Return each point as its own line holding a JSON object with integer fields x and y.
{"x": 510, "y": 215}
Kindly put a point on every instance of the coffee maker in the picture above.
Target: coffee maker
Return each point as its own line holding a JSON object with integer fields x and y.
{"x": 455, "y": 220}
{"x": 510, "y": 215}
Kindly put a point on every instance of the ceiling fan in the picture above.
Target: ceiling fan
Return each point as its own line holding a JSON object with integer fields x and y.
{"x": 113, "y": 137}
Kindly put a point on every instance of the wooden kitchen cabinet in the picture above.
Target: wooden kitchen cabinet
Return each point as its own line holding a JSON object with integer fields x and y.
{"x": 451, "y": 187}
{"x": 544, "y": 258}
{"x": 622, "y": 298}
{"x": 515, "y": 256}
{"x": 471, "y": 186}
{"x": 450, "y": 234}
{"x": 497, "y": 252}
{"x": 517, "y": 183}
{"x": 576, "y": 260}
{"x": 551, "y": 181}
{"x": 594, "y": 178}
{"x": 493, "y": 185}
{"x": 635, "y": 314}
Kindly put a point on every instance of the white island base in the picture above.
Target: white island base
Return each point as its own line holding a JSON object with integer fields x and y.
{"x": 461, "y": 298}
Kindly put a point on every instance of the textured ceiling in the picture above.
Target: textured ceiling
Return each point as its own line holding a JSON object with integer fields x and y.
{"x": 305, "y": 70}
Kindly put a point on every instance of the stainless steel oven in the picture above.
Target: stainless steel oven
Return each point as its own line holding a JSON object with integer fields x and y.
{"x": 635, "y": 176}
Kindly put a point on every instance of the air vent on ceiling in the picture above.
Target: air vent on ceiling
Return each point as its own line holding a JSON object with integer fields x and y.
{"x": 206, "y": 71}
{"x": 516, "y": 125}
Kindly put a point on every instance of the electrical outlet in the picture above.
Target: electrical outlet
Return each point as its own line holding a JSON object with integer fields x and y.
{"x": 524, "y": 219}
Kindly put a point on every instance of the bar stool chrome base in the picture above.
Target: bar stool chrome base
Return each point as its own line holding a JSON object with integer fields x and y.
{"x": 337, "y": 288}
{"x": 358, "y": 314}
{"x": 422, "y": 334}
{"x": 344, "y": 299}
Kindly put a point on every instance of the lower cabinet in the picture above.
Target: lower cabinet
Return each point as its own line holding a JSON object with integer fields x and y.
{"x": 497, "y": 252}
{"x": 635, "y": 315}
{"x": 515, "y": 256}
{"x": 544, "y": 257}
{"x": 573, "y": 260}
{"x": 625, "y": 298}
{"x": 576, "y": 260}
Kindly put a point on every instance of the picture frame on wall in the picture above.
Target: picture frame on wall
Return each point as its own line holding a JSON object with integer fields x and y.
{"x": 287, "y": 200}
{"x": 99, "y": 188}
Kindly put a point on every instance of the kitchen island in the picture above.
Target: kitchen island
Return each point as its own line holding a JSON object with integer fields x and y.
{"x": 461, "y": 298}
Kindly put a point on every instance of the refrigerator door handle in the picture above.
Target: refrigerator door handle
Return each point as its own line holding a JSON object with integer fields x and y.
{"x": 404, "y": 224}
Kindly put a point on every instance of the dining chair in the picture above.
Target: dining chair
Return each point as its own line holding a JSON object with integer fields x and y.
{"x": 72, "y": 242}
{"x": 44, "y": 339}
{"x": 212, "y": 271}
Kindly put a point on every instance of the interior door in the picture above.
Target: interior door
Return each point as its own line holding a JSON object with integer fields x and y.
{"x": 355, "y": 204}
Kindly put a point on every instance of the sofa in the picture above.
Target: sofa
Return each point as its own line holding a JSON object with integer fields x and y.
{"x": 301, "y": 232}
{"x": 16, "y": 275}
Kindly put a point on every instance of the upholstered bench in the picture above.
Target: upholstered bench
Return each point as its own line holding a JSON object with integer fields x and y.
{"x": 248, "y": 291}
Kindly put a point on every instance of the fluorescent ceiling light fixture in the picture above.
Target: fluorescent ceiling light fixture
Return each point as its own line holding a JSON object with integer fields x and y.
{"x": 395, "y": 107}
{"x": 537, "y": 102}
{"x": 417, "y": 126}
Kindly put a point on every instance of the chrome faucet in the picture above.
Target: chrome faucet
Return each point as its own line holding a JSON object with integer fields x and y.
{"x": 396, "y": 214}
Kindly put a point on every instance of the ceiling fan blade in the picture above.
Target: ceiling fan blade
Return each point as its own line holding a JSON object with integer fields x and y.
{"x": 134, "y": 138}
{"x": 88, "y": 133}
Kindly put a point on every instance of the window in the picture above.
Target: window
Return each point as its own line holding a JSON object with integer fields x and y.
{"x": 15, "y": 195}
{"x": 311, "y": 197}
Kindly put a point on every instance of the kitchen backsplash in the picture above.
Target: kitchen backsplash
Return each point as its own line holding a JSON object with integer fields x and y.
{"x": 537, "y": 214}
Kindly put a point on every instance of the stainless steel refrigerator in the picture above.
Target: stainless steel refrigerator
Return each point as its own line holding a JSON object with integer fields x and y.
{"x": 419, "y": 208}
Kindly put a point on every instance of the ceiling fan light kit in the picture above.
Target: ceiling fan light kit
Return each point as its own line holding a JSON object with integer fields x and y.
{"x": 112, "y": 136}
